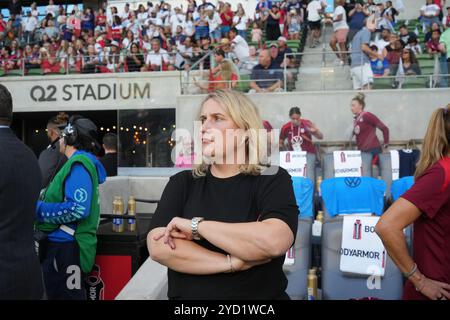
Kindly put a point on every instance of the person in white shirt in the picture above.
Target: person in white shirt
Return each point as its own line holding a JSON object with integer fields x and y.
{"x": 156, "y": 58}
{"x": 314, "y": 8}
{"x": 340, "y": 28}
{"x": 238, "y": 45}
{"x": 51, "y": 9}
{"x": 142, "y": 15}
{"x": 146, "y": 46}
{"x": 29, "y": 25}
{"x": 382, "y": 42}
{"x": 153, "y": 19}
{"x": 177, "y": 19}
{"x": 214, "y": 23}
{"x": 189, "y": 27}
{"x": 34, "y": 10}
{"x": 430, "y": 14}
{"x": 126, "y": 14}
{"x": 240, "y": 22}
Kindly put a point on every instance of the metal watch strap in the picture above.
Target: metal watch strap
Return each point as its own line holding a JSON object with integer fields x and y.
{"x": 194, "y": 227}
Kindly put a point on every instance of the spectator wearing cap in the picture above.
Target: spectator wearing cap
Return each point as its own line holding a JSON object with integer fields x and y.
{"x": 361, "y": 71}
{"x": 239, "y": 45}
{"x": 283, "y": 50}
{"x": 277, "y": 59}
{"x": 266, "y": 77}
{"x": 380, "y": 67}
{"x": 272, "y": 20}
{"x": 294, "y": 21}
{"x": 225, "y": 45}
{"x": 113, "y": 59}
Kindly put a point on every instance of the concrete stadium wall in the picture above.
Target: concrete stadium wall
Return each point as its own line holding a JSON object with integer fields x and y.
{"x": 405, "y": 112}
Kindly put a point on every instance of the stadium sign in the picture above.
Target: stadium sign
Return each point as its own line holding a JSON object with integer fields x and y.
{"x": 94, "y": 92}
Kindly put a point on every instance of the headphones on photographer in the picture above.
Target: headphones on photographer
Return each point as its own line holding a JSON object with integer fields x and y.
{"x": 78, "y": 127}
{"x": 70, "y": 133}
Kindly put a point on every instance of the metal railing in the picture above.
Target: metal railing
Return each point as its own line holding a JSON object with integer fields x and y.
{"x": 75, "y": 63}
{"x": 326, "y": 67}
{"x": 242, "y": 85}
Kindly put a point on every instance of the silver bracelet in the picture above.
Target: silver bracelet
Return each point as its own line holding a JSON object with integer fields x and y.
{"x": 409, "y": 274}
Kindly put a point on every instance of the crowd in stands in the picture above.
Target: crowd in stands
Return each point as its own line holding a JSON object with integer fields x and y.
{"x": 154, "y": 37}
{"x": 159, "y": 37}
{"x": 383, "y": 46}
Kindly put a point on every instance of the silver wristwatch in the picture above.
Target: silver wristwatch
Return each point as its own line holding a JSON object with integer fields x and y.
{"x": 194, "y": 227}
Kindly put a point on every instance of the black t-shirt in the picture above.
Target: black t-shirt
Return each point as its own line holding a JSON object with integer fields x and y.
{"x": 241, "y": 198}
{"x": 109, "y": 161}
{"x": 132, "y": 65}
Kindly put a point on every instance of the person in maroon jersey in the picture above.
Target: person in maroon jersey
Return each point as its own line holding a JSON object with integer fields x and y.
{"x": 364, "y": 128}
{"x": 427, "y": 205}
{"x": 296, "y": 135}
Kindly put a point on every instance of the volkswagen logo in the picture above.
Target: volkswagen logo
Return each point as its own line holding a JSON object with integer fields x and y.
{"x": 352, "y": 182}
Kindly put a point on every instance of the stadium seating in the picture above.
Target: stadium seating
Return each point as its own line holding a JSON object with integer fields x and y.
{"x": 297, "y": 273}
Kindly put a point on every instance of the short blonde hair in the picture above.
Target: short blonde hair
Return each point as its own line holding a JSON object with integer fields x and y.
{"x": 245, "y": 115}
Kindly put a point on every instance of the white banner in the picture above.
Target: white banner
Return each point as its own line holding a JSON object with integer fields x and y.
{"x": 134, "y": 90}
{"x": 294, "y": 162}
{"x": 395, "y": 163}
{"x": 347, "y": 163}
{"x": 362, "y": 251}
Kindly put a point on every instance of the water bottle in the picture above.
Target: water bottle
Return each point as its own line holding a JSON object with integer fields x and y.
{"x": 118, "y": 209}
{"x": 131, "y": 212}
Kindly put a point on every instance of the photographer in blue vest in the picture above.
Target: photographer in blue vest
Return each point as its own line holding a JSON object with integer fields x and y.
{"x": 69, "y": 213}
